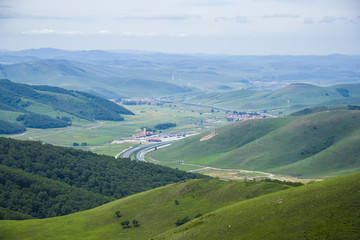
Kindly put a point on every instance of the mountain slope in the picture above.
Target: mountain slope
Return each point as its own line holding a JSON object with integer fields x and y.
{"x": 96, "y": 173}
{"x": 291, "y": 97}
{"x": 32, "y": 99}
{"x": 317, "y": 145}
{"x": 324, "y": 210}
{"x": 156, "y": 210}
{"x": 104, "y": 80}
{"x": 42, "y": 197}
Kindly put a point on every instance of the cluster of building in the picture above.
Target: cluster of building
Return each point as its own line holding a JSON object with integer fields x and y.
{"x": 151, "y": 136}
{"x": 244, "y": 117}
{"x": 142, "y": 134}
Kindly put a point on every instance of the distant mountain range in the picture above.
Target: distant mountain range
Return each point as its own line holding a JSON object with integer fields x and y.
{"x": 113, "y": 74}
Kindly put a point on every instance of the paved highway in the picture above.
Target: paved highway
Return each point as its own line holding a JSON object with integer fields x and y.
{"x": 143, "y": 149}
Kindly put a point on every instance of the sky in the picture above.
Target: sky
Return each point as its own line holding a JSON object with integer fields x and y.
{"x": 237, "y": 27}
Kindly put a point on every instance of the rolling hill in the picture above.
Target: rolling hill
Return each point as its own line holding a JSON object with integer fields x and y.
{"x": 43, "y": 180}
{"x": 217, "y": 210}
{"x": 37, "y": 102}
{"x": 102, "y": 72}
{"x": 319, "y": 145}
{"x": 324, "y": 210}
{"x": 290, "y": 98}
{"x": 156, "y": 210}
{"x": 104, "y": 80}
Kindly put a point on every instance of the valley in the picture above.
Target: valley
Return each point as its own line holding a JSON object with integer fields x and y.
{"x": 180, "y": 120}
{"x": 164, "y": 146}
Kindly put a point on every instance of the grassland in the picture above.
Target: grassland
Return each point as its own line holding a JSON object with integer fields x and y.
{"x": 99, "y": 135}
{"x": 230, "y": 210}
{"x": 156, "y": 211}
{"x": 283, "y": 101}
{"x": 318, "y": 145}
{"x": 324, "y": 210}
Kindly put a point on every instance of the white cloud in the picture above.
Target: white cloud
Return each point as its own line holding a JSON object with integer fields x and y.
{"x": 104, "y": 32}
{"x": 47, "y": 31}
{"x": 152, "y": 34}
{"x": 239, "y": 19}
{"x": 281, "y": 16}
{"x": 308, "y": 21}
{"x": 175, "y": 17}
{"x": 328, "y": 19}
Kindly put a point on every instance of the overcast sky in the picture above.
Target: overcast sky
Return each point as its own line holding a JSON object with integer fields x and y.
{"x": 251, "y": 27}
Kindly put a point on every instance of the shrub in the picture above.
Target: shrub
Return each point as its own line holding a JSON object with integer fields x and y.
{"x": 118, "y": 214}
{"x": 136, "y": 223}
{"x": 125, "y": 224}
{"x": 182, "y": 221}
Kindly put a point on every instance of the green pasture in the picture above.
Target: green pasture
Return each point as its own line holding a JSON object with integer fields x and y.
{"x": 318, "y": 145}
{"x": 98, "y": 135}
{"x": 324, "y": 210}
{"x": 156, "y": 210}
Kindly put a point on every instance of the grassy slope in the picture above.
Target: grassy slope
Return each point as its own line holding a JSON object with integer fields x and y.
{"x": 299, "y": 96}
{"x": 324, "y": 210}
{"x": 306, "y": 146}
{"x": 155, "y": 210}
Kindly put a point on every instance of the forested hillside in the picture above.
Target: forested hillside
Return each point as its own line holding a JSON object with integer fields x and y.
{"x": 22, "y": 98}
{"x": 44, "y": 180}
{"x": 42, "y": 197}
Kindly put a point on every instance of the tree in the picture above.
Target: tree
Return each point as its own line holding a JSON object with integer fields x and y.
{"x": 118, "y": 214}
{"x": 182, "y": 221}
{"x": 136, "y": 223}
{"x": 125, "y": 224}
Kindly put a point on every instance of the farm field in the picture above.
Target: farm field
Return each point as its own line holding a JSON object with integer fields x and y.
{"x": 99, "y": 135}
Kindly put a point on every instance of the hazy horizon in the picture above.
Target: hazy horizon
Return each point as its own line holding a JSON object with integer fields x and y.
{"x": 245, "y": 27}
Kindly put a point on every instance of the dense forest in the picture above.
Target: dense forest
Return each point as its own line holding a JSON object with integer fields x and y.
{"x": 10, "y": 128}
{"x": 33, "y": 167}
{"x": 16, "y": 96}
{"x": 42, "y": 197}
{"x": 163, "y": 126}
{"x": 33, "y": 120}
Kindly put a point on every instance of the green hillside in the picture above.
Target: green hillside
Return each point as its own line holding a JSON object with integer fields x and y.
{"x": 216, "y": 210}
{"x": 324, "y": 210}
{"x": 38, "y": 102}
{"x": 42, "y": 180}
{"x": 318, "y": 145}
{"x": 156, "y": 210}
{"x": 42, "y": 197}
{"x": 289, "y": 98}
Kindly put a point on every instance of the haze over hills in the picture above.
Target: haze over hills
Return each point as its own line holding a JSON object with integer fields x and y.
{"x": 319, "y": 145}
{"x": 157, "y": 74}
